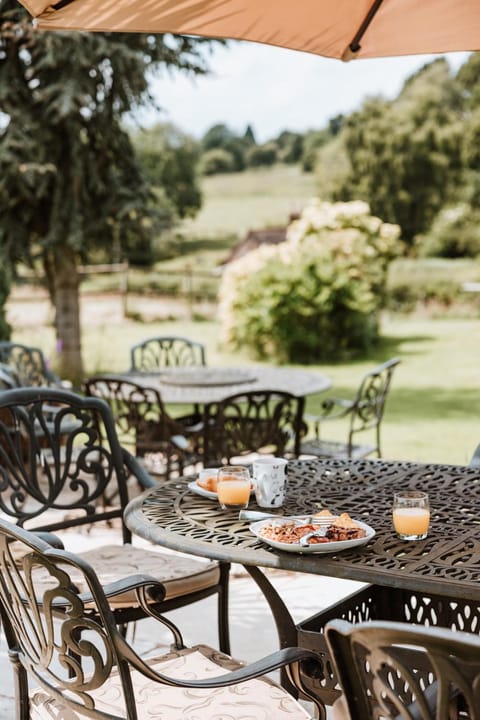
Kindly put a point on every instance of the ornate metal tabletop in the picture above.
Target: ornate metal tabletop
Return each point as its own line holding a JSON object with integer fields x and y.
{"x": 201, "y": 385}
{"x": 447, "y": 562}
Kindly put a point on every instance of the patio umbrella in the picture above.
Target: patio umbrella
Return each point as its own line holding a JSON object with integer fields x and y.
{"x": 343, "y": 29}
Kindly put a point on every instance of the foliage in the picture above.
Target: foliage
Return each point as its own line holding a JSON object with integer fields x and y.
{"x": 261, "y": 155}
{"x": 317, "y": 295}
{"x": 454, "y": 233}
{"x": 170, "y": 158}
{"x": 405, "y": 155}
{"x": 70, "y": 182}
{"x": 217, "y": 161}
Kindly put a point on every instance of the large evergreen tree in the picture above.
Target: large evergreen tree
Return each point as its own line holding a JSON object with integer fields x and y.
{"x": 70, "y": 182}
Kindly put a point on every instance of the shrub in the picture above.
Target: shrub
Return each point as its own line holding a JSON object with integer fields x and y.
{"x": 216, "y": 161}
{"x": 454, "y": 233}
{"x": 316, "y": 296}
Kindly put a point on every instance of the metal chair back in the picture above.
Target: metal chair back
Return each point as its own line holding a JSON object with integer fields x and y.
{"x": 59, "y": 457}
{"x": 142, "y": 421}
{"x": 28, "y": 363}
{"x": 396, "y": 670}
{"x": 258, "y": 421}
{"x": 161, "y": 352}
{"x": 369, "y": 404}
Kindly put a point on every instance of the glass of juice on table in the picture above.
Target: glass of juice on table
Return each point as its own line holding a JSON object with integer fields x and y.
{"x": 233, "y": 487}
{"x": 411, "y": 514}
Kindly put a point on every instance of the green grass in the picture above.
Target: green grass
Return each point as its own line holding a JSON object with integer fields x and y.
{"x": 432, "y": 413}
{"x": 239, "y": 202}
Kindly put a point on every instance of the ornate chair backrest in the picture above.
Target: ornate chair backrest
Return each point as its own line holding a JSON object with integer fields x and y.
{"x": 393, "y": 670}
{"x": 54, "y": 638}
{"x": 139, "y": 413}
{"x": 160, "y": 352}
{"x": 369, "y": 403}
{"x": 256, "y": 421}
{"x": 475, "y": 459}
{"x": 59, "y": 458}
{"x": 28, "y": 363}
{"x": 8, "y": 377}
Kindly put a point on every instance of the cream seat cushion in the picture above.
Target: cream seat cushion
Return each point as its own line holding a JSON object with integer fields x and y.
{"x": 181, "y": 574}
{"x": 258, "y": 699}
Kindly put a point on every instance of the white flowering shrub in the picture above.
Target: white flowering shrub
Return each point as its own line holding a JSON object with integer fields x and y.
{"x": 316, "y": 296}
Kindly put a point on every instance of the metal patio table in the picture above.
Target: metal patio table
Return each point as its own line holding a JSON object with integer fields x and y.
{"x": 203, "y": 385}
{"x": 435, "y": 580}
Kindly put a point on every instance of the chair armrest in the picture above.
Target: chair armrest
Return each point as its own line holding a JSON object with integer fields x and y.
{"x": 154, "y": 589}
{"x": 50, "y": 538}
{"x": 138, "y": 471}
{"x": 333, "y": 408}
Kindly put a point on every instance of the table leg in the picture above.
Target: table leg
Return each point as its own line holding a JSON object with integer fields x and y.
{"x": 286, "y": 629}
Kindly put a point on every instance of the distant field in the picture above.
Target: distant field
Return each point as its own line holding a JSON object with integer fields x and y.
{"x": 237, "y": 202}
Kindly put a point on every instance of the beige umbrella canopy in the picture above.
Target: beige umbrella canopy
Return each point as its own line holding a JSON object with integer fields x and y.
{"x": 343, "y": 29}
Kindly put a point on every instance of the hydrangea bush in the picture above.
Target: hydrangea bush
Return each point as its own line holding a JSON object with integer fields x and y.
{"x": 316, "y": 296}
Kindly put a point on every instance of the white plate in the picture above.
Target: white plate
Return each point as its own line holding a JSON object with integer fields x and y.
{"x": 334, "y": 546}
{"x": 198, "y": 490}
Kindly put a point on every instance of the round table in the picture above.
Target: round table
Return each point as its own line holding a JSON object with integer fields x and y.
{"x": 202, "y": 385}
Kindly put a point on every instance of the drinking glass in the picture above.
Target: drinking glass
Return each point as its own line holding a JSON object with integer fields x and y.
{"x": 411, "y": 514}
{"x": 233, "y": 487}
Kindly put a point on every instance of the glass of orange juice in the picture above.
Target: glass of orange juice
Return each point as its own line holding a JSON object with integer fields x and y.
{"x": 233, "y": 487}
{"x": 411, "y": 514}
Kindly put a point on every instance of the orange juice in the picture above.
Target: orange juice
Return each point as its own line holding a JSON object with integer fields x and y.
{"x": 233, "y": 492}
{"x": 411, "y": 520}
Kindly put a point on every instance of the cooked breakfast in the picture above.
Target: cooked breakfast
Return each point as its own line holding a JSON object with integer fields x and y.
{"x": 290, "y": 532}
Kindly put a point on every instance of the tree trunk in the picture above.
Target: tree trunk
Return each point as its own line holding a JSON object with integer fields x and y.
{"x": 69, "y": 364}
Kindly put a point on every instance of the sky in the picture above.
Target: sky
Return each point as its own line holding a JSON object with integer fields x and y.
{"x": 275, "y": 89}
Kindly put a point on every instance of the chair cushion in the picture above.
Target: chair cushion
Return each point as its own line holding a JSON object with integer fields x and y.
{"x": 330, "y": 448}
{"x": 259, "y": 699}
{"x": 181, "y": 574}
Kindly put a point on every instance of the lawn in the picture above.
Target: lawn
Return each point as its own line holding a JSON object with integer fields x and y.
{"x": 239, "y": 202}
{"x": 432, "y": 413}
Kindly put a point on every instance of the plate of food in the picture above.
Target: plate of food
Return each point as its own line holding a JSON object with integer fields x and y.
{"x": 321, "y": 533}
{"x": 206, "y": 485}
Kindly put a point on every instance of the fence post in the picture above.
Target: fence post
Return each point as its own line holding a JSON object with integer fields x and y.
{"x": 189, "y": 289}
{"x": 124, "y": 290}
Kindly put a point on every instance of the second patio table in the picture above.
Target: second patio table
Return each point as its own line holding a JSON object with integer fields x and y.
{"x": 203, "y": 385}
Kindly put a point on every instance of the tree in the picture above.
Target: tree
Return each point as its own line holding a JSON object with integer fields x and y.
{"x": 170, "y": 158}
{"x": 405, "y": 156}
{"x": 70, "y": 182}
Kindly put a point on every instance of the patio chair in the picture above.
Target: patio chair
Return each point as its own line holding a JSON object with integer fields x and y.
{"x": 73, "y": 481}
{"x": 165, "y": 445}
{"x": 363, "y": 413}
{"x": 160, "y": 352}
{"x": 475, "y": 459}
{"x": 251, "y": 423}
{"x": 70, "y": 660}
{"x": 27, "y": 365}
{"x": 393, "y": 670}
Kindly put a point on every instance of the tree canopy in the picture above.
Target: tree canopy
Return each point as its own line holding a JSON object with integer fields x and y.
{"x": 70, "y": 182}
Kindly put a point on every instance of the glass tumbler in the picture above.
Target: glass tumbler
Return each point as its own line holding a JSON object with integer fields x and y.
{"x": 411, "y": 514}
{"x": 233, "y": 487}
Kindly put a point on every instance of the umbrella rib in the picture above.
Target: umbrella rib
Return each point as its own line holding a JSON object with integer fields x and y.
{"x": 355, "y": 46}
{"x": 61, "y": 4}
